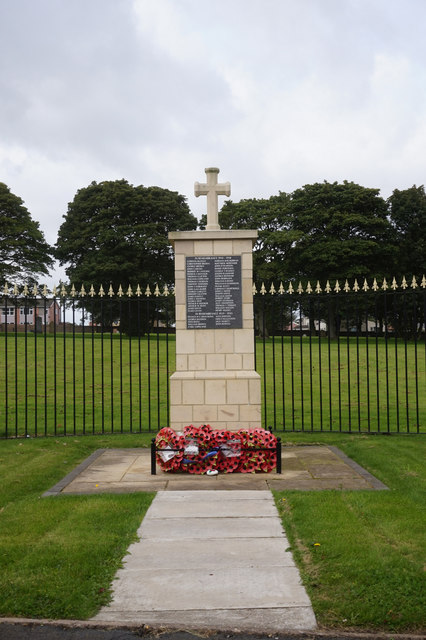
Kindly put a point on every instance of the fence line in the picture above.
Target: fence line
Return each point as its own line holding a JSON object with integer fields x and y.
{"x": 337, "y": 359}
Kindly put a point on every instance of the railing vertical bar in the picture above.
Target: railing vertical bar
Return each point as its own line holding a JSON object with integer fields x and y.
{"x": 64, "y": 344}
{"x": 376, "y": 327}
{"x": 282, "y": 357}
{"x": 320, "y": 369}
{"x": 311, "y": 387}
{"x": 385, "y": 307}
{"x": 16, "y": 367}
{"x": 273, "y": 365}
{"x": 367, "y": 367}
{"x": 330, "y": 407}
{"x": 130, "y": 367}
{"x": 111, "y": 354}
{"x": 407, "y": 404}
{"x": 139, "y": 364}
{"x": 73, "y": 369}
{"x": 149, "y": 361}
{"x": 93, "y": 365}
{"x": 292, "y": 365}
{"x": 396, "y": 360}
{"x": 55, "y": 373}
{"x": 103, "y": 371}
{"x": 167, "y": 365}
{"x": 339, "y": 377}
{"x": 358, "y": 382}
{"x": 416, "y": 368}
{"x": 35, "y": 368}
{"x": 83, "y": 354}
{"x": 158, "y": 363}
{"x": 120, "y": 322}
{"x": 6, "y": 366}
{"x": 348, "y": 357}
{"x": 26, "y": 362}
{"x": 302, "y": 398}
{"x": 265, "y": 408}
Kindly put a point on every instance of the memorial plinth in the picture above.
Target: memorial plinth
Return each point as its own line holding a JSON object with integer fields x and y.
{"x": 215, "y": 381}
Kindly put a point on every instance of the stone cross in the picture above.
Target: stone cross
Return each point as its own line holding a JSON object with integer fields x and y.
{"x": 212, "y": 190}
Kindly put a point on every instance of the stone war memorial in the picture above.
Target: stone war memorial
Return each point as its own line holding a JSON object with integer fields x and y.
{"x": 215, "y": 381}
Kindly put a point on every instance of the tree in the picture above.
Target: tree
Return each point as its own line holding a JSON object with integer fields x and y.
{"x": 342, "y": 231}
{"x": 407, "y": 211}
{"x": 115, "y": 233}
{"x": 24, "y": 253}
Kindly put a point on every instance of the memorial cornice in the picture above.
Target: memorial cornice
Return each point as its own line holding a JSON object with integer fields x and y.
{"x": 221, "y": 234}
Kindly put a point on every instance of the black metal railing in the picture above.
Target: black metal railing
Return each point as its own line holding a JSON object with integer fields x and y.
{"x": 343, "y": 359}
{"x": 338, "y": 359}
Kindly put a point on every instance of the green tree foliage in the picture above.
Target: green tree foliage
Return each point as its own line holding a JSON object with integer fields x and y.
{"x": 407, "y": 211}
{"x": 24, "y": 253}
{"x": 342, "y": 232}
{"x": 115, "y": 233}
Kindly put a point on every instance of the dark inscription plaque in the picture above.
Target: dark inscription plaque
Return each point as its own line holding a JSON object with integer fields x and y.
{"x": 213, "y": 292}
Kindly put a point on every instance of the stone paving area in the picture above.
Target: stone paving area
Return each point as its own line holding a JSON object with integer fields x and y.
{"x": 304, "y": 468}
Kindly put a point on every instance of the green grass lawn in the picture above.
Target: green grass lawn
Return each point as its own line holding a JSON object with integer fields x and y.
{"x": 58, "y": 555}
{"x": 362, "y": 553}
{"x": 112, "y": 383}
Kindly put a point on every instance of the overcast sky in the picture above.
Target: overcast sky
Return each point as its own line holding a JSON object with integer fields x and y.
{"x": 276, "y": 93}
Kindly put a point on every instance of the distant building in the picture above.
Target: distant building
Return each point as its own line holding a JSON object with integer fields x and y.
{"x": 43, "y": 312}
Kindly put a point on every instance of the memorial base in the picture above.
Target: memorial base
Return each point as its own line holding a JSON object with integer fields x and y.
{"x": 223, "y": 399}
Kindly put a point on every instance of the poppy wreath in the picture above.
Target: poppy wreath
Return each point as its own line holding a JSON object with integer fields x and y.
{"x": 167, "y": 439}
{"x": 222, "y": 450}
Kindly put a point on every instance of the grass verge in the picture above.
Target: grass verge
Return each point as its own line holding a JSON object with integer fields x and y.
{"x": 58, "y": 556}
{"x": 361, "y": 553}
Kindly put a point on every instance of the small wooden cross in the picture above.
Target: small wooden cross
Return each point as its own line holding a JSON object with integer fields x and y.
{"x": 212, "y": 190}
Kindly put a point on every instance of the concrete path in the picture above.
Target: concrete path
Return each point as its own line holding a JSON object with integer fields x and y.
{"x": 211, "y": 560}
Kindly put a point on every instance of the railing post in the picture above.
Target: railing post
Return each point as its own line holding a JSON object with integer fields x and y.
{"x": 153, "y": 458}
{"x": 278, "y": 455}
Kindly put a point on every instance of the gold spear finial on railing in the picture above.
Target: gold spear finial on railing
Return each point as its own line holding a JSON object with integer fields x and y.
{"x": 404, "y": 284}
{"x": 147, "y": 291}
{"x": 385, "y": 285}
{"x": 101, "y": 292}
{"x": 414, "y": 284}
{"x": 82, "y": 291}
{"x": 120, "y": 291}
{"x": 138, "y": 291}
{"x": 110, "y": 290}
{"x": 309, "y": 288}
{"x": 92, "y": 291}
{"x": 318, "y": 287}
{"x": 272, "y": 289}
{"x": 129, "y": 291}
{"x": 73, "y": 291}
{"x": 45, "y": 291}
{"x": 299, "y": 288}
{"x": 356, "y": 285}
{"x": 281, "y": 289}
{"x": 327, "y": 287}
{"x": 394, "y": 285}
{"x": 263, "y": 289}
{"x": 365, "y": 286}
{"x": 25, "y": 290}
{"x": 35, "y": 291}
{"x": 375, "y": 286}
{"x": 253, "y": 289}
{"x": 337, "y": 287}
{"x": 63, "y": 291}
{"x": 346, "y": 288}
{"x": 290, "y": 289}
{"x": 156, "y": 291}
{"x": 423, "y": 282}
{"x": 166, "y": 290}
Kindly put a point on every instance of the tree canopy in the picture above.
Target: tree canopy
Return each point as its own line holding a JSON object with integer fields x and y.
{"x": 24, "y": 252}
{"x": 115, "y": 233}
{"x": 407, "y": 211}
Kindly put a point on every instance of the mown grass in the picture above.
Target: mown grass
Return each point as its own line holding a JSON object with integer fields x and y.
{"x": 361, "y": 553}
{"x": 104, "y": 383}
{"x": 58, "y": 555}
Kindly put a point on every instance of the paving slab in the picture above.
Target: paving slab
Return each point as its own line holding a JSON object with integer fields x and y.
{"x": 305, "y": 468}
{"x": 214, "y": 560}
